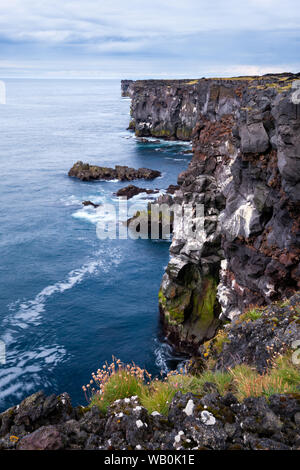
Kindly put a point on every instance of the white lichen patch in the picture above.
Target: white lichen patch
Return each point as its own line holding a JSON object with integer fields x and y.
{"x": 189, "y": 409}
{"x": 242, "y": 221}
{"x": 178, "y": 437}
{"x": 208, "y": 418}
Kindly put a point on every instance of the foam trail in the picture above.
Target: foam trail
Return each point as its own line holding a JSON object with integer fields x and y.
{"x": 27, "y": 371}
{"x": 29, "y": 312}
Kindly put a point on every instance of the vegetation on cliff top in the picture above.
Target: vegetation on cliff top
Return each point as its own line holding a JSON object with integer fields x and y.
{"x": 118, "y": 381}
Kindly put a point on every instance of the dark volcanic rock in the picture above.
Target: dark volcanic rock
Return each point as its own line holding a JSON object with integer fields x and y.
{"x": 44, "y": 438}
{"x": 172, "y": 188}
{"x": 158, "y": 225}
{"x": 131, "y": 190}
{"x": 86, "y": 172}
{"x": 127, "y": 87}
{"x": 90, "y": 203}
{"x": 194, "y": 422}
{"x": 257, "y": 341}
{"x": 165, "y": 108}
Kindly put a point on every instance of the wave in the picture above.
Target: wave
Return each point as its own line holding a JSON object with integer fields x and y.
{"x": 184, "y": 143}
{"x": 71, "y": 201}
{"x": 24, "y": 372}
{"x": 166, "y": 358}
{"x": 93, "y": 216}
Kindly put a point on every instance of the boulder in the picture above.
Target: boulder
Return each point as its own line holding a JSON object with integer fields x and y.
{"x": 44, "y": 438}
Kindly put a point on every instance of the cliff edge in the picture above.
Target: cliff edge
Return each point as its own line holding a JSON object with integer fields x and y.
{"x": 245, "y": 170}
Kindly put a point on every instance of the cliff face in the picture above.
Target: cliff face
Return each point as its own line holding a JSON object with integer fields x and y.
{"x": 246, "y": 171}
{"x": 165, "y": 108}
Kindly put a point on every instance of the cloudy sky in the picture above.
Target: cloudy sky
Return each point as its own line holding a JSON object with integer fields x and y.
{"x": 142, "y": 38}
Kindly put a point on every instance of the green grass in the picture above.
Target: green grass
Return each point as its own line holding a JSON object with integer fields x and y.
{"x": 283, "y": 377}
{"x": 252, "y": 314}
{"x": 120, "y": 385}
{"x": 156, "y": 395}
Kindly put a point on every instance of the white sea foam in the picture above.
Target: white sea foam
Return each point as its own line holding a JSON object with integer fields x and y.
{"x": 177, "y": 159}
{"x": 26, "y": 375}
{"x": 144, "y": 197}
{"x": 162, "y": 141}
{"x": 29, "y": 312}
{"x": 115, "y": 180}
{"x": 93, "y": 215}
{"x": 70, "y": 201}
{"x": 23, "y": 372}
{"x": 163, "y": 354}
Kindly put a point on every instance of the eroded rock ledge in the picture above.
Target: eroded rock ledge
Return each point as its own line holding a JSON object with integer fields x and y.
{"x": 246, "y": 171}
{"x": 87, "y": 172}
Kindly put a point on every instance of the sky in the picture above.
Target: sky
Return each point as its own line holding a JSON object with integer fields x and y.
{"x": 144, "y": 39}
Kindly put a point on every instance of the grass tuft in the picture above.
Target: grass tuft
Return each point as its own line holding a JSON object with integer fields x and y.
{"x": 118, "y": 381}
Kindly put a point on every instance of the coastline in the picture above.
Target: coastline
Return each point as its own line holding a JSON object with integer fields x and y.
{"x": 202, "y": 283}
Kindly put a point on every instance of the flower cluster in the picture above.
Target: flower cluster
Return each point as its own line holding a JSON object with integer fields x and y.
{"x": 116, "y": 370}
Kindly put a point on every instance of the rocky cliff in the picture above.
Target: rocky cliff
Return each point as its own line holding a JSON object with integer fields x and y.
{"x": 246, "y": 171}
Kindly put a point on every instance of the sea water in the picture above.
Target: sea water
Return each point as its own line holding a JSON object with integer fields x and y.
{"x": 68, "y": 300}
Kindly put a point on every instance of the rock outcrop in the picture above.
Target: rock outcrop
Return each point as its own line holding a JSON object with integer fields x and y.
{"x": 246, "y": 172}
{"x": 255, "y": 338}
{"x": 86, "y": 172}
{"x": 194, "y": 422}
{"x": 164, "y": 108}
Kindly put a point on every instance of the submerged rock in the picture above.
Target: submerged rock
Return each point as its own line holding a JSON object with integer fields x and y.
{"x": 131, "y": 191}
{"x": 90, "y": 203}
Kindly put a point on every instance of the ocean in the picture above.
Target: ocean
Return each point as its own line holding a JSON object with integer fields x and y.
{"x": 68, "y": 300}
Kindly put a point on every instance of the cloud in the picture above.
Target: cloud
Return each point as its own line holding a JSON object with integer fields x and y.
{"x": 253, "y": 32}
